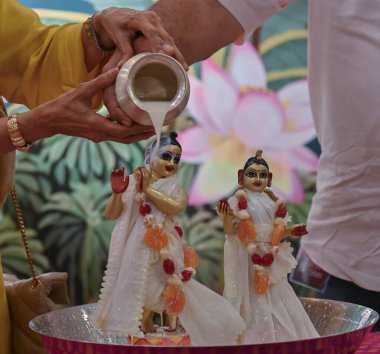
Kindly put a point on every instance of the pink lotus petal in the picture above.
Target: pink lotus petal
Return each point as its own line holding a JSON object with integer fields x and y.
{"x": 247, "y": 67}
{"x": 300, "y": 158}
{"x": 259, "y": 119}
{"x": 195, "y": 144}
{"x": 299, "y": 128}
{"x": 217, "y": 177}
{"x": 220, "y": 96}
{"x": 294, "y": 139}
{"x": 196, "y": 105}
{"x": 295, "y": 99}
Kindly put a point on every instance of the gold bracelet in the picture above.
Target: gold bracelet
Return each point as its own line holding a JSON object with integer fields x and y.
{"x": 14, "y": 134}
{"x": 94, "y": 36}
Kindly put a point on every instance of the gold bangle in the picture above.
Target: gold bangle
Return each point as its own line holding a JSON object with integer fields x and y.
{"x": 14, "y": 134}
{"x": 94, "y": 36}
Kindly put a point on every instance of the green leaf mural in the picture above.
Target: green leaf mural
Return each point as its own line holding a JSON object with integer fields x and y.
{"x": 89, "y": 160}
{"x": 74, "y": 227}
{"x": 13, "y": 253}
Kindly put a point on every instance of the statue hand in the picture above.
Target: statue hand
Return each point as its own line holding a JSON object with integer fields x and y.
{"x": 224, "y": 208}
{"x": 119, "y": 183}
{"x": 299, "y": 230}
{"x": 142, "y": 178}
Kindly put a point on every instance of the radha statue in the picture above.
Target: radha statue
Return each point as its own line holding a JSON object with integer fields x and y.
{"x": 256, "y": 262}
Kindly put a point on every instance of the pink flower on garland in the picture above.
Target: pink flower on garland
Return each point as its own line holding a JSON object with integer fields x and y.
{"x": 237, "y": 114}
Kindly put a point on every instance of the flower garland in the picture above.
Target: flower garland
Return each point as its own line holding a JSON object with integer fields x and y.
{"x": 156, "y": 239}
{"x": 246, "y": 233}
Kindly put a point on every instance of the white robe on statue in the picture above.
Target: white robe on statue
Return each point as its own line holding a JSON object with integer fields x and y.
{"x": 277, "y": 315}
{"x": 135, "y": 279}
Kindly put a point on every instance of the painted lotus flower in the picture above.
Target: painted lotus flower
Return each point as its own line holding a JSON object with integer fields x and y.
{"x": 236, "y": 115}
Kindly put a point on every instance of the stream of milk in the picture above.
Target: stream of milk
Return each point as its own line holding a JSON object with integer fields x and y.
{"x": 157, "y": 111}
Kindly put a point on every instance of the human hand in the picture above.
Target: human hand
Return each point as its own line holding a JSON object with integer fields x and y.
{"x": 119, "y": 183}
{"x": 118, "y": 27}
{"x": 109, "y": 94}
{"x": 72, "y": 114}
{"x": 299, "y": 230}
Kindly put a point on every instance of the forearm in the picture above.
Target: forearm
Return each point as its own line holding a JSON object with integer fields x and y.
{"x": 114, "y": 206}
{"x": 288, "y": 231}
{"x": 199, "y": 27}
{"x": 33, "y": 125}
{"x": 228, "y": 225}
{"x": 166, "y": 204}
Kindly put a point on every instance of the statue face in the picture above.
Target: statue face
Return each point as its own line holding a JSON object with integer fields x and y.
{"x": 256, "y": 178}
{"x": 166, "y": 162}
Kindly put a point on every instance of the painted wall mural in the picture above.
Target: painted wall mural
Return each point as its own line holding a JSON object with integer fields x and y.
{"x": 63, "y": 182}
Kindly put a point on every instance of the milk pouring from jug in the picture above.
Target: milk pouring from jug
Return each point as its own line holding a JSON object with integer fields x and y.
{"x": 152, "y": 88}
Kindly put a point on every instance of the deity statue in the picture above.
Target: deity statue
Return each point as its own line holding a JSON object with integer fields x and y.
{"x": 256, "y": 262}
{"x": 150, "y": 269}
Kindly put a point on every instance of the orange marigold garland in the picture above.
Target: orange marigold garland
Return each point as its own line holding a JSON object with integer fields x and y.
{"x": 260, "y": 280}
{"x": 190, "y": 257}
{"x": 157, "y": 239}
{"x": 246, "y": 233}
{"x": 278, "y": 234}
{"x": 174, "y": 299}
{"x": 245, "y": 228}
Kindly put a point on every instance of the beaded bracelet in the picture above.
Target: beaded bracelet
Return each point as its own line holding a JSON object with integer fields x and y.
{"x": 14, "y": 134}
{"x": 94, "y": 36}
